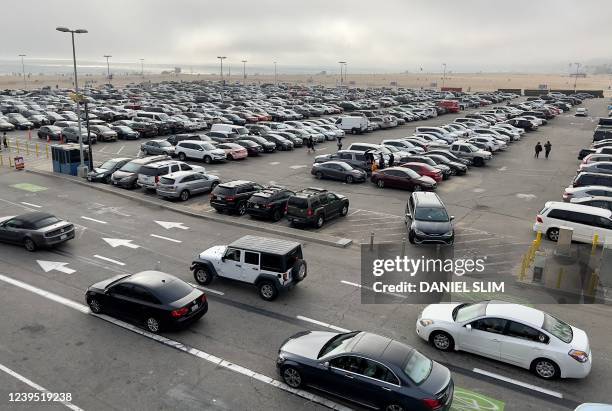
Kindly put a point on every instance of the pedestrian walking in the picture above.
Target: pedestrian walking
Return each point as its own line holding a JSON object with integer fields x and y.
{"x": 381, "y": 161}
{"x": 312, "y": 143}
{"x": 391, "y": 160}
{"x": 547, "y": 148}
{"x": 538, "y": 150}
{"x": 339, "y": 138}
{"x": 308, "y": 144}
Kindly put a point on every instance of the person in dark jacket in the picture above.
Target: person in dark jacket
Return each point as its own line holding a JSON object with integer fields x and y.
{"x": 339, "y": 138}
{"x": 381, "y": 161}
{"x": 391, "y": 160}
{"x": 547, "y": 148}
{"x": 538, "y": 150}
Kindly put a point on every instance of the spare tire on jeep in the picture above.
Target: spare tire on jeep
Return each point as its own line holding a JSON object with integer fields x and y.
{"x": 299, "y": 270}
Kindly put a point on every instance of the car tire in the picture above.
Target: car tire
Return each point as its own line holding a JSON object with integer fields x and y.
{"x": 94, "y": 306}
{"x": 267, "y": 290}
{"x": 207, "y": 159}
{"x": 277, "y": 215}
{"x": 107, "y": 179}
{"x": 417, "y": 188}
{"x": 320, "y": 221}
{"x": 394, "y": 407}
{"x": 545, "y": 369}
{"x": 380, "y": 184}
{"x": 241, "y": 208}
{"x": 29, "y": 244}
{"x": 213, "y": 185}
{"x": 319, "y": 175}
{"x": 552, "y": 234}
{"x": 182, "y": 156}
{"x": 411, "y": 237}
{"x": 478, "y": 162}
{"x": 344, "y": 210}
{"x": 184, "y": 196}
{"x": 152, "y": 324}
{"x": 292, "y": 377}
{"x": 299, "y": 270}
{"x": 349, "y": 179}
{"x": 202, "y": 275}
{"x": 442, "y": 341}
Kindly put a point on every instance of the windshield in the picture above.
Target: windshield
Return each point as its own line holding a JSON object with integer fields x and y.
{"x": 131, "y": 167}
{"x": 467, "y": 312}
{"x": 45, "y": 222}
{"x": 558, "y": 328}
{"x": 109, "y": 165}
{"x": 434, "y": 214}
{"x": 472, "y": 147}
{"x": 418, "y": 367}
{"x": 164, "y": 144}
{"x": 174, "y": 291}
{"x": 337, "y": 344}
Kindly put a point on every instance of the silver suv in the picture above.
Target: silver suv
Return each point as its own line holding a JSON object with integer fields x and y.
{"x": 184, "y": 184}
{"x": 149, "y": 175}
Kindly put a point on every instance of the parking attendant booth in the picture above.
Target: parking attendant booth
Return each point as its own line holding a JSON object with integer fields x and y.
{"x": 67, "y": 158}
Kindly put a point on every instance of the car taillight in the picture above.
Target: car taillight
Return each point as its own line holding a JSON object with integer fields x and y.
{"x": 286, "y": 208}
{"x": 230, "y": 198}
{"x": 567, "y": 196}
{"x": 539, "y": 219}
{"x": 156, "y": 179}
{"x": 285, "y": 276}
{"x": 203, "y": 298}
{"x": 578, "y": 355}
{"x": 431, "y": 403}
{"x": 268, "y": 205}
{"x": 309, "y": 212}
{"x": 180, "y": 312}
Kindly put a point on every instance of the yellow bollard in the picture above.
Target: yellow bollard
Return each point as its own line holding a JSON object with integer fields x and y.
{"x": 47, "y": 151}
{"x": 594, "y": 244}
{"x": 593, "y": 283}
{"x": 523, "y": 268}
{"x": 560, "y": 277}
{"x": 538, "y": 239}
{"x": 36, "y": 145}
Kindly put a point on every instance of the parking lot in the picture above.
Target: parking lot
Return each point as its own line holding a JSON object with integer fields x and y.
{"x": 227, "y": 359}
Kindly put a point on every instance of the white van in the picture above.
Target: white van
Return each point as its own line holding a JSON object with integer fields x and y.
{"x": 586, "y": 221}
{"x": 353, "y": 124}
{"x": 230, "y": 128}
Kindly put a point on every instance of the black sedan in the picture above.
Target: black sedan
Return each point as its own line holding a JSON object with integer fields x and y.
{"x": 153, "y": 299}
{"x": 50, "y": 132}
{"x": 456, "y": 167}
{"x": 35, "y": 230}
{"x": 338, "y": 170}
{"x": 253, "y": 149}
{"x": 365, "y": 368}
{"x": 268, "y": 146}
{"x": 103, "y": 173}
{"x": 126, "y": 133}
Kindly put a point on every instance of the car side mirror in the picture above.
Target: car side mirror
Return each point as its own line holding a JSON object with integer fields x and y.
{"x": 408, "y": 215}
{"x": 223, "y": 258}
{"x": 468, "y": 327}
{"x": 326, "y": 365}
{"x": 452, "y": 217}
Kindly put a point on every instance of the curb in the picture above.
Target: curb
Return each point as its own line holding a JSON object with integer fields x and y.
{"x": 301, "y": 235}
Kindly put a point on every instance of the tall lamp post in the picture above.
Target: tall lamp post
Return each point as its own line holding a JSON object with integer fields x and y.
{"x": 341, "y": 78}
{"x": 576, "y": 75}
{"x": 221, "y": 58}
{"x": 244, "y": 62}
{"x": 82, "y": 171}
{"x": 142, "y": 67}
{"x": 108, "y": 66}
{"x": 275, "y": 75}
{"x": 25, "y": 86}
{"x": 444, "y": 75}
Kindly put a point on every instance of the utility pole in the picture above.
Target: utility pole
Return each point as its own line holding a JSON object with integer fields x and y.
{"x": 107, "y": 66}
{"x": 25, "y": 86}
{"x": 142, "y": 67}
{"x": 341, "y": 78}
{"x": 444, "y": 75}
{"x": 244, "y": 62}
{"x": 576, "y": 75}
{"x": 275, "y": 75}
{"x": 221, "y": 58}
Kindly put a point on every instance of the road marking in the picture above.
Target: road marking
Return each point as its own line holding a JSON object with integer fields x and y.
{"x": 321, "y": 323}
{"x": 102, "y": 150}
{"x": 166, "y": 238}
{"x": 55, "y": 266}
{"x": 94, "y": 220}
{"x": 350, "y": 283}
{"x": 36, "y": 386}
{"x": 170, "y": 224}
{"x": 354, "y": 212}
{"x": 33, "y": 188}
{"x": 479, "y": 190}
{"x": 220, "y": 362}
{"x": 120, "y": 150}
{"x": 296, "y": 167}
{"x": 504, "y": 168}
{"x": 527, "y": 197}
{"x": 117, "y": 242}
{"x": 210, "y": 290}
{"x": 465, "y": 400}
{"x": 519, "y": 383}
{"x": 110, "y": 260}
{"x": 31, "y": 205}
{"x": 274, "y": 163}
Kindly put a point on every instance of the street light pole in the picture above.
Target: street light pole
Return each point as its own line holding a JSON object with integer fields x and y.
{"x": 142, "y": 67}
{"x": 275, "y": 75}
{"x": 221, "y": 58}
{"x": 444, "y": 75}
{"x": 341, "y": 78}
{"x": 576, "y": 76}
{"x": 82, "y": 168}
{"x": 244, "y": 62}
{"x": 107, "y": 66}
{"x": 25, "y": 86}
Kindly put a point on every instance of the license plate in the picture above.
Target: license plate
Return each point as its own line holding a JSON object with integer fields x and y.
{"x": 63, "y": 236}
{"x": 194, "y": 307}
{"x": 114, "y": 183}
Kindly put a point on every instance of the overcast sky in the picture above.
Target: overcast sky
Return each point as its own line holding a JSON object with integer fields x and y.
{"x": 382, "y": 36}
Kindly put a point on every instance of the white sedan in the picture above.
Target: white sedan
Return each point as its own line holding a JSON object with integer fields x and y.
{"x": 512, "y": 333}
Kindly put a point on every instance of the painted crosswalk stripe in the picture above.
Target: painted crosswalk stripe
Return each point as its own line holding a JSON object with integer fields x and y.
{"x": 110, "y": 260}
{"x": 94, "y": 220}
{"x": 166, "y": 238}
{"x": 31, "y": 205}
{"x": 519, "y": 383}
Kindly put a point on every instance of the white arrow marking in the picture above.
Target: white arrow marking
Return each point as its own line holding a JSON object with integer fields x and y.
{"x": 55, "y": 265}
{"x": 116, "y": 242}
{"x": 169, "y": 224}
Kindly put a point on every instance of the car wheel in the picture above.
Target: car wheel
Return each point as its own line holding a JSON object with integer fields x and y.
{"x": 202, "y": 275}
{"x": 242, "y": 208}
{"x": 292, "y": 377}
{"x": 320, "y": 221}
{"x": 134, "y": 185}
{"x": 165, "y": 153}
{"x": 145, "y": 151}
{"x": 277, "y": 215}
{"x": 380, "y": 183}
{"x": 94, "y": 306}
{"x": 349, "y": 179}
{"x": 344, "y": 210}
{"x": 29, "y": 244}
{"x": 182, "y": 156}
{"x": 267, "y": 290}
{"x": 207, "y": 159}
{"x": 107, "y": 179}
{"x": 319, "y": 175}
{"x": 545, "y": 369}
{"x": 442, "y": 341}
{"x": 394, "y": 407}
{"x": 152, "y": 325}
{"x": 553, "y": 234}
{"x": 411, "y": 237}
{"x": 417, "y": 188}
{"x": 478, "y": 162}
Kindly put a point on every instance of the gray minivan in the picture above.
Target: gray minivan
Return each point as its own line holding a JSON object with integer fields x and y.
{"x": 427, "y": 220}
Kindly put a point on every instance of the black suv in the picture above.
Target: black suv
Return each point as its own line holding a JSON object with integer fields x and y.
{"x": 233, "y": 196}
{"x": 269, "y": 203}
{"x": 314, "y": 206}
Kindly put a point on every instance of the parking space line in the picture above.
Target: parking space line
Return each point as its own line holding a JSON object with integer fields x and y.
{"x": 350, "y": 283}
{"x": 165, "y": 238}
{"x": 322, "y": 324}
{"x": 220, "y": 362}
{"x": 120, "y": 149}
{"x": 210, "y": 290}
{"x": 519, "y": 383}
{"x": 31, "y": 205}
{"x": 110, "y": 260}
{"x": 94, "y": 220}
{"x": 37, "y": 387}
{"x": 354, "y": 212}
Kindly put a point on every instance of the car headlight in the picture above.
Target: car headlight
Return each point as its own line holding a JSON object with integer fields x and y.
{"x": 449, "y": 233}
{"x": 425, "y": 322}
{"x": 282, "y": 356}
{"x": 578, "y": 355}
{"x": 419, "y": 231}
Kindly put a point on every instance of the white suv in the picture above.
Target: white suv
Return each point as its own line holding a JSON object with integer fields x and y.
{"x": 148, "y": 175}
{"x": 199, "y": 150}
{"x": 586, "y": 221}
{"x": 272, "y": 265}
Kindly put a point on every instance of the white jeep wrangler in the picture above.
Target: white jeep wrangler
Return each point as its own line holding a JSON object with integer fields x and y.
{"x": 272, "y": 265}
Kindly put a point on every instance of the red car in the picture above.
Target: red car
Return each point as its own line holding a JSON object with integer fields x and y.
{"x": 400, "y": 177}
{"x": 233, "y": 151}
{"x": 424, "y": 170}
